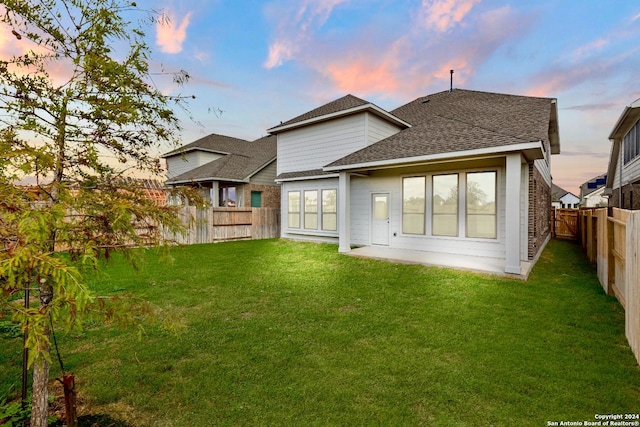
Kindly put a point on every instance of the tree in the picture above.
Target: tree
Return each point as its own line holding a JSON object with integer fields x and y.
{"x": 78, "y": 110}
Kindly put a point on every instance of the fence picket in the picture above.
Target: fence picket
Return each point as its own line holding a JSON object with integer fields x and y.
{"x": 632, "y": 309}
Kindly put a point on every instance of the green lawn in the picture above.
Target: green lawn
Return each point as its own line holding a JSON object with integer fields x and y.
{"x": 285, "y": 333}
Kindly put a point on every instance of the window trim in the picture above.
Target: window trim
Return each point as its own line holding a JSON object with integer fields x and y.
{"x": 315, "y": 214}
{"x": 423, "y": 214}
{"x": 298, "y": 212}
{"x": 495, "y": 205}
{"x": 433, "y": 211}
{"x": 461, "y": 214}
{"x": 324, "y": 214}
{"x": 320, "y": 214}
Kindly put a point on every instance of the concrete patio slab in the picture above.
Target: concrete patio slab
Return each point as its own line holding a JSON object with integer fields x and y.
{"x": 460, "y": 262}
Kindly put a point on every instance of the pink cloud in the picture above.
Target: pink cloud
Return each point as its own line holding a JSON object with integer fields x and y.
{"x": 441, "y": 15}
{"x": 279, "y": 52}
{"x": 363, "y": 75}
{"x": 59, "y": 71}
{"x": 171, "y": 34}
{"x": 591, "y": 47}
{"x": 559, "y": 78}
{"x": 295, "y": 26}
{"x": 399, "y": 63}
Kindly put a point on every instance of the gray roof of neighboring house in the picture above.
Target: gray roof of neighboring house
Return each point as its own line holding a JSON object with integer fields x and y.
{"x": 558, "y": 193}
{"x": 593, "y": 184}
{"x": 242, "y": 158}
{"x": 461, "y": 120}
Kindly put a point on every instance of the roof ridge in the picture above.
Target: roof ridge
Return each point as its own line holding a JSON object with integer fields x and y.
{"x": 343, "y": 103}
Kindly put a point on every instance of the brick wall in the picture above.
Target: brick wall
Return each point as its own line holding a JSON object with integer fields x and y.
{"x": 630, "y": 197}
{"x": 270, "y": 195}
{"x": 539, "y": 211}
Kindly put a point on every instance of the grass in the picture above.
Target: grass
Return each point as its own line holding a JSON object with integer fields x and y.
{"x": 286, "y": 333}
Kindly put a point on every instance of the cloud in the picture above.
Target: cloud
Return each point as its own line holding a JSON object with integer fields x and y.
{"x": 171, "y": 34}
{"x": 558, "y": 78}
{"x": 591, "y": 107}
{"x": 403, "y": 61}
{"x": 295, "y": 26}
{"x": 279, "y": 52}
{"x": 442, "y": 15}
{"x": 591, "y": 48}
{"x": 416, "y": 62}
{"x": 601, "y": 155}
{"x": 11, "y": 46}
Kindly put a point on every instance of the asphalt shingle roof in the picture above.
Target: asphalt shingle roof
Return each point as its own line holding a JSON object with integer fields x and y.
{"x": 213, "y": 142}
{"x": 341, "y": 104}
{"x": 242, "y": 159}
{"x": 584, "y": 187}
{"x": 461, "y": 120}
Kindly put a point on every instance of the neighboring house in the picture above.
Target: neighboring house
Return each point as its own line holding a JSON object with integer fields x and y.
{"x": 623, "y": 177}
{"x": 562, "y": 199}
{"x": 457, "y": 172}
{"x": 229, "y": 171}
{"x": 592, "y": 192}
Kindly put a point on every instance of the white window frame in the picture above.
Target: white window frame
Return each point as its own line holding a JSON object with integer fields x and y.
{"x": 290, "y": 212}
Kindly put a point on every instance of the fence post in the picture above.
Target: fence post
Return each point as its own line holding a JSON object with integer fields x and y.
{"x": 611, "y": 258}
{"x": 632, "y": 273}
{"x": 602, "y": 253}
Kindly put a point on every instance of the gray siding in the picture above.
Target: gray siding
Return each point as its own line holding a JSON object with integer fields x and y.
{"x": 266, "y": 176}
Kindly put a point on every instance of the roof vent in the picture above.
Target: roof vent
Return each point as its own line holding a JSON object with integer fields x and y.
{"x": 451, "y": 86}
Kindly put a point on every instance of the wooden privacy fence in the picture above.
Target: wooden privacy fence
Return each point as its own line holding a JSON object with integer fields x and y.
{"x": 211, "y": 225}
{"x": 611, "y": 238}
{"x": 564, "y": 223}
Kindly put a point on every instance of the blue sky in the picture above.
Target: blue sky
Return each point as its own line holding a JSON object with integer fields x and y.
{"x": 262, "y": 62}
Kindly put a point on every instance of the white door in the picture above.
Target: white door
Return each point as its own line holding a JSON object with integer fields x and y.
{"x": 380, "y": 219}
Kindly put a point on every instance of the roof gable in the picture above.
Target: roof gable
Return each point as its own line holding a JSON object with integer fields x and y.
{"x": 346, "y": 105}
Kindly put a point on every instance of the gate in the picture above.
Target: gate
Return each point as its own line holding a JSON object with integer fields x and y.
{"x": 564, "y": 223}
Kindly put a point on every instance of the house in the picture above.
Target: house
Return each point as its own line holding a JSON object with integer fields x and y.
{"x": 459, "y": 173}
{"x": 592, "y": 192}
{"x": 623, "y": 176}
{"x": 562, "y": 199}
{"x": 228, "y": 171}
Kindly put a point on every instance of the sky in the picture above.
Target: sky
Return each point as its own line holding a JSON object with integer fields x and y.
{"x": 253, "y": 64}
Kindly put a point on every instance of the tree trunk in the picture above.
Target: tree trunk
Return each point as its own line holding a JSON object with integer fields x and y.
{"x": 40, "y": 396}
{"x": 40, "y": 387}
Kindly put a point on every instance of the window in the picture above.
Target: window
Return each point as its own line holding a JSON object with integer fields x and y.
{"x": 632, "y": 143}
{"x": 413, "y": 205}
{"x": 227, "y": 197}
{"x": 294, "y": 209}
{"x": 329, "y": 210}
{"x": 256, "y": 199}
{"x": 445, "y": 205}
{"x": 481, "y": 205}
{"x": 311, "y": 210}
